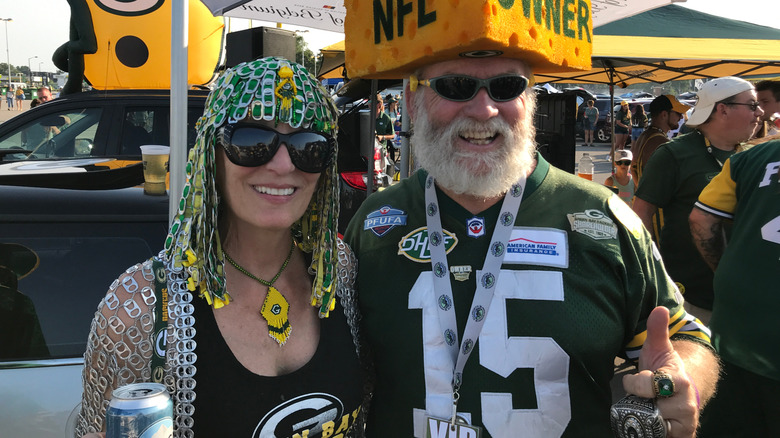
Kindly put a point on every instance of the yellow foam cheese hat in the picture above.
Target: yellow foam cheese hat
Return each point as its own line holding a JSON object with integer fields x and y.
{"x": 386, "y": 39}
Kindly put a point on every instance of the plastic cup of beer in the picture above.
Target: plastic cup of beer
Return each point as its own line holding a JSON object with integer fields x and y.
{"x": 155, "y": 158}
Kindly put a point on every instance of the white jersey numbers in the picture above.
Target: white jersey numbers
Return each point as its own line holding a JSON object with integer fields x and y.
{"x": 502, "y": 354}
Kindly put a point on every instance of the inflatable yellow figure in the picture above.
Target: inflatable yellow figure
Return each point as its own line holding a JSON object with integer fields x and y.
{"x": 134, "y": 44}
{"x": 285, "y": 91}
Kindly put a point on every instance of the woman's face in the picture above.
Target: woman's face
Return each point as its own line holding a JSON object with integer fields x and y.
{"x": 271, "y": 196}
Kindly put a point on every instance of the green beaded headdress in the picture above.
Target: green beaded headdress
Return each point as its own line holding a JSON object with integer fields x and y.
{"x": 271, "y": 89}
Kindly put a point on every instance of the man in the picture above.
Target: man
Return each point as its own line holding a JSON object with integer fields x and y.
{"x": 44, "y": 94}
{"x": 384, "y": 127}
{"x": 726, "y": 114}
{"x": 665, "y": 115}
{"x": 589, "y": 118}
{"x": 768, "y": 93}
{"x": 559, "y": 271}
{"x": 746, "y": 192}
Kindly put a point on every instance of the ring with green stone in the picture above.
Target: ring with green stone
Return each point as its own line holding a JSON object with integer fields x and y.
{"x": 663, "y": 385}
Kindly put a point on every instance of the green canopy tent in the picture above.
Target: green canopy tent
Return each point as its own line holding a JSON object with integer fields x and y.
{"x": 675, "y": 43}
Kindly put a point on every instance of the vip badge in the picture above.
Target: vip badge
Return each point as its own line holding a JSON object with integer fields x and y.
{"x": 439, "y": 428}
{"x": 383, "y": 220}
{"x": 476, "y": 226}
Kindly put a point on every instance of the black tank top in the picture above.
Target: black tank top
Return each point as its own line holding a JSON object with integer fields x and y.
{"x": 323, "y": 395}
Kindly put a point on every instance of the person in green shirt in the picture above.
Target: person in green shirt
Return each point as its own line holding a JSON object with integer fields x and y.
{"x": 744, "y": 314}
{"x": 726, "y": 114}
{"x": 490, "y": 244}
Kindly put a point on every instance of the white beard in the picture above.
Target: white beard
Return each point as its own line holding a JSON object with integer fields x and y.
{"x": 474, "y": 173}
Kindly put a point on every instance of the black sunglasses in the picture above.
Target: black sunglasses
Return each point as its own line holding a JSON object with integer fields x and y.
{"x": 623, "y": 163}
{"x": 461, "y": 88}
{"x": 252, "y": 146}
{"x": 752, "y": 105}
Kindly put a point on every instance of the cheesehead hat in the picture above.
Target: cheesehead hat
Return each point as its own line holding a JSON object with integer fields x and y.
{"x": 386, "y": 42}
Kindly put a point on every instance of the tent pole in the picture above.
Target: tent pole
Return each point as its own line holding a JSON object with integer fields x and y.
{"x": 179, "y": 94}
{"x": 371, "y": 140}
{"x": 405, "y": 125}
{"x": 611, "y": 75}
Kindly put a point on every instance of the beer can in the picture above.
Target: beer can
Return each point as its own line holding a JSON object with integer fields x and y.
{"x": 140, "y": 410}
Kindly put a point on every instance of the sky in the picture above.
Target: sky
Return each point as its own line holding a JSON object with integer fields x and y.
{"x": 40, "y": 26}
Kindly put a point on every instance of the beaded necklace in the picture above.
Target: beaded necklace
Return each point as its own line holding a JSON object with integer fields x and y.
{"x": 275, "y": 307}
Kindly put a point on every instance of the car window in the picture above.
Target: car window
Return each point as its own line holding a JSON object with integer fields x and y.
{"x": 47, "y": 312}
{"x": 62, "y": 134}
{"x": 145, "y": 125}
{"x": 137, "y": 129}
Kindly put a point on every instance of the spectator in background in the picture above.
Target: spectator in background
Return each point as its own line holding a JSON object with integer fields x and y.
{"x": 746, "y": 192}
{"x": 727, "y": 114}
{"x": 44, "y": 94}
{"x": 621, "y": 176}
{"x": 19, "y": 97}
{"x": 622, "y": 125}
{"x": 638, "y": 122}
{"x": 768, "y": 93}
{"x": 384, "y": 127}
{"x": 9, "y": 99}
{"x": 665, "y": 115}
{"x": 589, "y": 118}
{"x": 391, "y": 107}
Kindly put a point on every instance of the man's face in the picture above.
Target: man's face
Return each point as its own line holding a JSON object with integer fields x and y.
{"x": 768, "y": 103}
{"x": 674, "y": 120}
{"x": 741, "y": 120}
{"x": 479, "y": 147}
{"x": 44, "y": 94}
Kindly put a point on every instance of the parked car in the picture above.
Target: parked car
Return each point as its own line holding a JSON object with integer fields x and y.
{"x": 95, "y": 124}
{"x": 60, "y": 249}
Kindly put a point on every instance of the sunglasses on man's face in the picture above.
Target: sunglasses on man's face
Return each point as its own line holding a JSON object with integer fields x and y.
{"x": 461, "y": 88}
{"x": 252, "y": 146}
{"x": 623, "y": 163}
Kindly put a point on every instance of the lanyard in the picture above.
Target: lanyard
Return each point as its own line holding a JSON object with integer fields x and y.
{"x": 486, "y": 282}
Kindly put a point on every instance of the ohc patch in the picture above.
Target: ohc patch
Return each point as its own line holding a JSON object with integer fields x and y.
{"x": 416, "y": 245}
{"x": 383, "y": 220}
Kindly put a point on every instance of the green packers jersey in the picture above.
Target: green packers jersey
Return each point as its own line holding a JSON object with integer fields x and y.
{"x": 577, "y": 283}
{"x": 672, "y": 181}
{"x": 748, "y": 192}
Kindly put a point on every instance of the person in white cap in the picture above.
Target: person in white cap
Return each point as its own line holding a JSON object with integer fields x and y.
{"x": 726, "y": 114}
{"x": 621, "y": 177}
{"x": 495, "y": 289}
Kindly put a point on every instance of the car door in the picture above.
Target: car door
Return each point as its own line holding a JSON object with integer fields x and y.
{"x": 60, "y": 250}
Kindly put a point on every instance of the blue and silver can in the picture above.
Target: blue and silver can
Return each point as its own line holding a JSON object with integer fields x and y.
{"x": 140, "y": 410}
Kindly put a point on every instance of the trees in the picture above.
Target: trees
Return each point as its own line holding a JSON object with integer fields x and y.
{"x": 303, "y": 55}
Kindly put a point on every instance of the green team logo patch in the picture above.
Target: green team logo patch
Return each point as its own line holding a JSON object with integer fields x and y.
{"x": 415, "y": 246}
{"x": 594, "y": 224}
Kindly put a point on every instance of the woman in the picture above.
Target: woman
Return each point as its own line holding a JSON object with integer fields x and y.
{"x": 621, "y": 177}
{"x": 622, "y": 125}
{"x": 254, "y": 246}
{"x": 19, "y": 98}
{"x": 638, "y": 122}
{"x": 589, "y": 118}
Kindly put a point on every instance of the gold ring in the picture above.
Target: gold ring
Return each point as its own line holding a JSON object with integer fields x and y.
{"x": 663, "y": 385}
